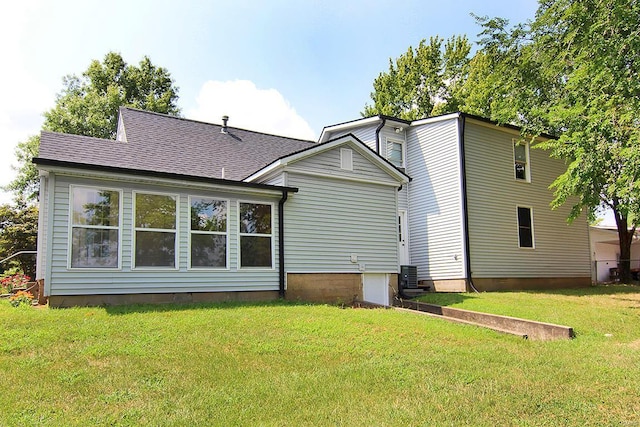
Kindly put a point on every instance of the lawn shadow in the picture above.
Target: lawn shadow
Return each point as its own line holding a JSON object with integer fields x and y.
{"x": 192, "y": 306}
{"x": 445, "y": 298}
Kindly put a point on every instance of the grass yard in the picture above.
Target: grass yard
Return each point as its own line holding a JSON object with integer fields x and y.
{"x": 292, "y": 364}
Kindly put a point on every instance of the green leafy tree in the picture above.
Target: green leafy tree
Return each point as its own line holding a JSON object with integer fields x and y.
{"x": 422, "y": 82}
{"x": 18, "y": 232}
{"x": 88, "y": 105}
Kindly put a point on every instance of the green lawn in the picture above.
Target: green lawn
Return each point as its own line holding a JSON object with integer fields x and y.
{"x": 291, "y": 364}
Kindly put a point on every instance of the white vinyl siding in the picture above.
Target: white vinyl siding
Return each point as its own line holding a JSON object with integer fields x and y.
{"x": 330, "y": 219}
{"x": 436, "y": 239}
{"x": 561, "y": 250}
{"x": 64, "y": 281}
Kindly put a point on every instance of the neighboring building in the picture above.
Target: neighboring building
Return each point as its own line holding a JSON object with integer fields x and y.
{"x": 605, "y": 249}
{"x": 179, "y": 210}
{"x": 477, "y": 212}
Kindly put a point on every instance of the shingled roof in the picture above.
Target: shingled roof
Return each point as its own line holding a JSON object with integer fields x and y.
{"x": 160, "y": 143}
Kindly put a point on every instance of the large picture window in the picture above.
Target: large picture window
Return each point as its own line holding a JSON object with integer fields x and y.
{"x": 208, "y": 218}
{"x": 525, "y": 228}
{"x": 155, "y": 230}
{"x": 256, "y": 235}
{"x": 95, "y": 228}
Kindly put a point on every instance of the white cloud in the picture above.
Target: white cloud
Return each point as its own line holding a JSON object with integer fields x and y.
{"x": 262, "y": 110}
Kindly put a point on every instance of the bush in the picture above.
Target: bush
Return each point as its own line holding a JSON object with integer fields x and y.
{"x": 9, "y": 283}
{"x": 21, "y": 298}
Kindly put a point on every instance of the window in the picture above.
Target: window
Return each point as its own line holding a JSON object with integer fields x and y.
{"x": 256, "y": 235}
{"x": 521, "y": 160}
{"x": 95, "y": 228}
{"x": 525, "y": 228}
{"x": 346, "y": 159}
{"x": 395, "y": 153}
{"x": 155, "y": 230}
{"x": 208, "y": 234}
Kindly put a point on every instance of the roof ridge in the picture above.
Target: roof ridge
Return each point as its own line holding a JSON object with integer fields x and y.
{"x": 167, "y": 116}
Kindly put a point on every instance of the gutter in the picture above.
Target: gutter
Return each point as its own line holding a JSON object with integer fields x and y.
{"x": 285, "y": 195}
{"x": 465, "y": 203}
{"x": 378, "y": 129}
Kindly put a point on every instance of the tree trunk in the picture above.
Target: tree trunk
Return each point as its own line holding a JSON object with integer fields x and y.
{"x": 625, "y": 237}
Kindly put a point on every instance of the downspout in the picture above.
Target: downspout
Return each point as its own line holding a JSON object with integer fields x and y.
{"x": 378, "y": 129}
{"x": 285, "y": 195}
{"x": 465, "y": 210}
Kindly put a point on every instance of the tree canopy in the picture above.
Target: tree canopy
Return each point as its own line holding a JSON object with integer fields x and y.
{"x": 88, "y": 105}
{"x": 424, "y": 81}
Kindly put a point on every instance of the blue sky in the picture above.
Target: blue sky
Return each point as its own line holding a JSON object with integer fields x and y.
{"x": 280, "y": 66}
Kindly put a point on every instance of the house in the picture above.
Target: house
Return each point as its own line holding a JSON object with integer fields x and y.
{"x": 180, "y": 210}
{"x": 476, "y": 214}
{"x": 605, "y": 248}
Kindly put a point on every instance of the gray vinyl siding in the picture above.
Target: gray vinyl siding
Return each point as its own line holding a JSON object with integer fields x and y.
{"x": 328, "y": 163}
{"x": 329, "y": 219}
{"x": 436, "y": 243}
{"x": 494, "y": 194}
{"x": 366, "y": 134}
{"x": 66, "y": 281}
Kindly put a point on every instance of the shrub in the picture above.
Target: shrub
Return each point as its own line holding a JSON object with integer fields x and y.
{"x": 9, "y": 283}
{"x": 21, "y": 298}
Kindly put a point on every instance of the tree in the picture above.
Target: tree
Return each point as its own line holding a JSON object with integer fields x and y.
{"x": 573, "y": 72}
{"x": 18, "y": 232}
{"x": 88, "y": 105}
{"x": 423, "y": 82}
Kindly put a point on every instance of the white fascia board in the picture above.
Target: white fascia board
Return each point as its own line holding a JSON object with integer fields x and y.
{"x": 346, "y": 126}
{"x": 346, "y": 139}
{"x": 435, "y": 119}
{"x": 266, "y": 170}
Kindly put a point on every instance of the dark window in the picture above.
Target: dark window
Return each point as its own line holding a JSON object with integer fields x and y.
{"x": 255, "y": 235}
{"x": 525, "y": 228}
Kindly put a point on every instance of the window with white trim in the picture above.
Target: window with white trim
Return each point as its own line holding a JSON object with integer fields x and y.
{"x": 395, "y": 152}
{"x": 256, "y": 234}
{"x": 525, "y": 228}
{"x": 521, "y": 160}
{"x": 95, "y": 227}
{"x": 208, "y": 232}
{"x": 155, "y": 220}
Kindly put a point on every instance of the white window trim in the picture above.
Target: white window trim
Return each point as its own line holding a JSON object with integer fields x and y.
{"x": 527, "y": 168}
{"x": 219, "y": 233}
{"x": 272, "y": 236}
{"x": 533, "y": 234}
{"x": 163, "y": 230}
{"x": 403, "y": 149}
{"x": 70, "y": 228}
{"x": 346, "y": 159}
